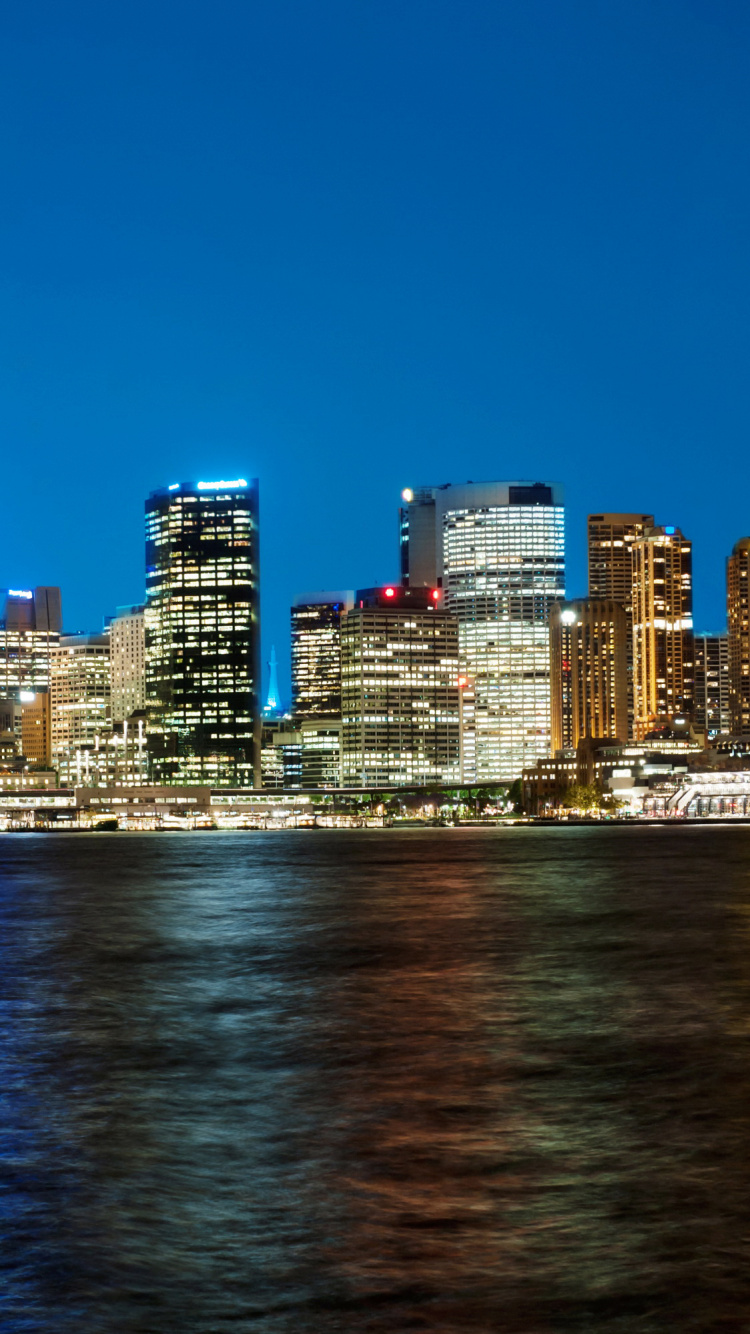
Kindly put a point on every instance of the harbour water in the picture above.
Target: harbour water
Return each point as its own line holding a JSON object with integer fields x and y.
{"x": 451, "y": 1080}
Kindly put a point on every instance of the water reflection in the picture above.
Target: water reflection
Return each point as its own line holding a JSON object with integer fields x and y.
{"x": 450, "y": 1080}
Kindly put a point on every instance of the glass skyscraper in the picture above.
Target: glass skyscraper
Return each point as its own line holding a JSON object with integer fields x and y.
{"x": 203, "y": 633}
{"x": 497, "y": 550}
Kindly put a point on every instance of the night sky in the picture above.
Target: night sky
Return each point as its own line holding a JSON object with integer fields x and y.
{"x": 350, "y": 247}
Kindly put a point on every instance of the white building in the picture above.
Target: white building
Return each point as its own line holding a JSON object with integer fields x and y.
{"x": 127, "y": 648}
{"x": 497, "y": 550}
{"x": 80, "y": 694}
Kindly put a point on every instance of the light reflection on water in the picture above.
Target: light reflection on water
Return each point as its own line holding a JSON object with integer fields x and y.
{"x": 453, "y": 1080}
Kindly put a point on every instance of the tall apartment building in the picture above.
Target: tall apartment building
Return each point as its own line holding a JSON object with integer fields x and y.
{"x": 497, "y": 551}
{"x": 29, "y": 630}
{"x": 711, "y": 712}
{"x": 589, "y": 688}
{"x": 316, "y": 654}
{"x": 399, "y": 689}
{"x": 662, "y": 627}
{"x": 80, "y": 694}
{"x": 127, "y": 646}
{"x": 202, "y": 622}
{"x": 610, "y": 552}
{"x": 738, "y": 621}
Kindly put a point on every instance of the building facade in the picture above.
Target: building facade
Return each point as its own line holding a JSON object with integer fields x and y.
{"x": 202, "y": 633}
{"x": 589, "y": 682}
{"x": 80, "y": 694}
{"x": 30, "y": 629}
{"x": 738, "y": 622}
{"x": 36, "y": 728}
{"x": 500, "y": 562}
{"x": 610, "y": 554}
{"x": 316, "y": 654}
{"x": 712, "y": 712}
{"x": 663, "y": 659}
{"x": 127, "y": 646}
{"x": 400, "y": 692}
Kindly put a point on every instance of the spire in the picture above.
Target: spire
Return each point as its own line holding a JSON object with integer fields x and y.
{"x": 272, "y": 701}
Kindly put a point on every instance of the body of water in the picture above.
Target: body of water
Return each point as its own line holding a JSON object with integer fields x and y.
{"x": 442, "y": 1080}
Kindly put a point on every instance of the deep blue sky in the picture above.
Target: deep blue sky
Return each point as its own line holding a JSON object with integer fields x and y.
{"x": 353, "y": 245}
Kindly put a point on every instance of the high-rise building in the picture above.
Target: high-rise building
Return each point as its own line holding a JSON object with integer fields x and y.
{"x": 738, "y": 620}
{"x": 711, "y": 713}
{"x": 202, "y": 623}
{"x": 610, "y": 550}
{"x": 589, "y": 687}
{"x": 316, "y": 654}
{"x": 497, "y": 550}
{"x": 127, "y": 646}
{"x": 662, "y": 627}
{"x": 400, "y": 692}
{"x": 36, "y": 728}
{"x": 29, "y": 630}
{"x": 80, "y": 693}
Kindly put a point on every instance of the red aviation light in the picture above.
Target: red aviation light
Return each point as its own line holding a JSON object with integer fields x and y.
{"x": 389, "y": 592}
{"x": 435, "y": 595}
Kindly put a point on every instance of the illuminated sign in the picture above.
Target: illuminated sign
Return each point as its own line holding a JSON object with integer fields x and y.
{"x": 20, "y": 593}
{"x": 27, "y": 696}
{"x": 174, "y": 487}
{"x": 463, "y": 681}
{"x": 671, "y": 531}
{"x": 567, "y": 617}
{"x": 222, "y": 486}
{"x": 407, "y": 494}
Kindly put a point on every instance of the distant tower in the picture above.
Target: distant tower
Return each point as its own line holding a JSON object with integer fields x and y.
{"x": 662, "y": 627}
{"x": 610, "y": 542}
{"x": 272, "y": 701}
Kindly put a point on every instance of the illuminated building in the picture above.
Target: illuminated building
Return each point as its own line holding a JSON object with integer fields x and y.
{"x": 589, "y": 684}
{"x": 10, "y": 730}
{"x": 29, "y": 630}
{"x": 610, "y": 551}
{"x": 127, "y": 646}
{"x": 497, "y": 550}
{"x": 399, "y": 689}
{"x": 203, "y": 633}
{"x": 711, "y": 712}
{"x": 80, "y": 694}
{"x": 738, "y": 620}
{"x": 117, "y": 757}
{"x": 662, "y": 627}
{"x": 316, "y": 654}
{"x": 36, "y": 727}
{"x": 281, "y": 754}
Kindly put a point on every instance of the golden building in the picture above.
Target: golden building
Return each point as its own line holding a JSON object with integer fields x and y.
{"x": 36, "y": 730}
{"x": 610, "y": 547}
{"x": 738, "y": 621}
{"x": 662, "y": 627}
{"x": 588, "y": 662}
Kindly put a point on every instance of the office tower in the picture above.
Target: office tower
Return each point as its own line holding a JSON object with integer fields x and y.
{"x": 36, "y": 728}
{"x": 738, "y": 620}
{"x": 203, "y": 633}
{"x": 589, "y": 685}
{"x": 499, "y": 556}
{"x": 662, "y": 627}
{"x": 610, "y": 551}
{"x": 80, "y": 694}
{"x": 10, "y": 731}
{"x": 127, "y": 646}
{"x": 316, "y": 653}
{"x": 29, "y": 630}
{"x": 399, "y": 690}
{"x": 712, "y": 713}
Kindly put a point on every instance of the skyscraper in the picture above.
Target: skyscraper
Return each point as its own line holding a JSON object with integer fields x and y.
{"x": 497, "y": 550}
{"x": 662, "y": 627}
{"x": 203, "y": 632}
{"x": 738, "y": 620}
{"x": 589, "y": 691}
{"x": 712, "y": 713}
{"x": 127, "y": 646}
{"x": 610, "y": 551}
{"x": 29, "y": 630}
{"x": 400, "y": 692}
{"x": 316, "y": 653}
